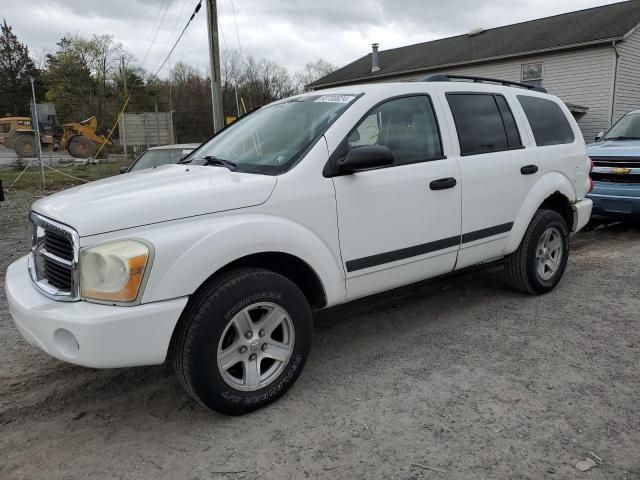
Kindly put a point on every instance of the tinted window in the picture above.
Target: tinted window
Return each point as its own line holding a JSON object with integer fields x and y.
{"x": 513, "y": 135}
{"x": 407, "y": 126}
{"x": 478, "y": 122}
{"x": 547, "y": 120}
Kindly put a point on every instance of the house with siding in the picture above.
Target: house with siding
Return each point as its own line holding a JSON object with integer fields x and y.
{"x": 589, "y": 58}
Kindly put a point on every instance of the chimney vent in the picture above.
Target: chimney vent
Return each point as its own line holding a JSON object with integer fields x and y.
{"x": 374, "y": 58}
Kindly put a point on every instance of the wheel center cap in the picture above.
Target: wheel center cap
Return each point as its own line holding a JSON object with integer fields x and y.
{"x": 254, "y": 346}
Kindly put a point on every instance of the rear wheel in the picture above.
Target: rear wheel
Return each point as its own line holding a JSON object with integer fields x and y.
{"x": 25, "y": 146}
{"x": 243, "y": 341}
{"x": 540, "y": 261}
{"x": 81, "y": 147}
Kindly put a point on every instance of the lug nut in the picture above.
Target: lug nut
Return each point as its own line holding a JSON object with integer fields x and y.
{"x": 261, "y": 333}
{"x": 252, "y": 357}
{"x": 264, "y": 347}
{"x": 242, "y": 349}
{"x": 248, "y": 334}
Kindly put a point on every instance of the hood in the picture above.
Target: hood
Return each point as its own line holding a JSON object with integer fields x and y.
{"x": 615, "y": 148}
{"x": 165, "y": 193}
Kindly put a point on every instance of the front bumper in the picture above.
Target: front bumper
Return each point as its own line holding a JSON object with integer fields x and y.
{"x": 616, "y": 198}
{"x": 99, "y": 336}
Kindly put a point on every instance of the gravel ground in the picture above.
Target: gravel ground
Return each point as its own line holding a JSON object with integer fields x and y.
{"x": 456, "y": 378}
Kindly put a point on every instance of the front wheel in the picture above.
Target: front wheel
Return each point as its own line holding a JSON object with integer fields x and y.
{"x": 25, "y": 146}
{"x": 81, "y": 147}
{"x": 243, "y": 341}
{"x": 540, "y": 261}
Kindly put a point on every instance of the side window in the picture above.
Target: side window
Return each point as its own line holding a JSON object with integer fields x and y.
{"x": 484, "y": 123}
{"x": 513, "y": 135}
{"x": 408, "y": 126}
{"x": 547, "y": 120}
{"x": 5, "y": 127}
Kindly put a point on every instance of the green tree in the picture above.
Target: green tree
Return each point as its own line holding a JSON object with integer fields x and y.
{"x": 68, "y": 79}
{"x": 16, "y": 69}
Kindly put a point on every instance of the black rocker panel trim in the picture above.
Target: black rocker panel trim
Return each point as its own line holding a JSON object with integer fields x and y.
{"x": 424, "y": 248}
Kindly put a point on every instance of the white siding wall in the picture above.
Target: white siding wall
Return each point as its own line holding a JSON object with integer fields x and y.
{"x": 628, "y": 82}
{"x": 583, "y": 77}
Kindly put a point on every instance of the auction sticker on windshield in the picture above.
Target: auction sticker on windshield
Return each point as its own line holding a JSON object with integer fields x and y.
{"x": 335, "y": 99}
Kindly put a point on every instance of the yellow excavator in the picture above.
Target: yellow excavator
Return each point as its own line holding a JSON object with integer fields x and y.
{"x": 79, "y": 139}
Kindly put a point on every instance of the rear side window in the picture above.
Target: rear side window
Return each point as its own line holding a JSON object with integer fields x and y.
{"x": 548, "y": 122}
{"x": 484, "y": 123}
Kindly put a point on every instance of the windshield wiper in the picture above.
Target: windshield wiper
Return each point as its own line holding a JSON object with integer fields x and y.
{"x": 216, "y": 162}
{"x": 622, "y": 138}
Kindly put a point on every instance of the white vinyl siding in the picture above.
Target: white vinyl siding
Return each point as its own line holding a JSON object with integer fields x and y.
{"x": 582, "y": 77}
{"x": 628, "y": 79}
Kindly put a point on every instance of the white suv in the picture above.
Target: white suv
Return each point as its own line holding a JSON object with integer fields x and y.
{"x": 309, "y": 202}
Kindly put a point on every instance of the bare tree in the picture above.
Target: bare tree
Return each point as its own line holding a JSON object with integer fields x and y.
{"x": 311, "y": 72}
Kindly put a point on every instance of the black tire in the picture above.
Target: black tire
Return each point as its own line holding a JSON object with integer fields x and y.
{"x": 194, "y": 347}
{"x": 25, "y": 146}
{"x": 81, "y": 147}
{"x": 520, "y": 266}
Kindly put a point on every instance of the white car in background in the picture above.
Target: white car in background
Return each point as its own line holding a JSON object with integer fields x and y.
{"x": 309, "y": 202}
{"x": 160, "y": 155}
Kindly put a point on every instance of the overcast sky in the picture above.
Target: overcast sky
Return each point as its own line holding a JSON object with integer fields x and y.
{"x": 289, "y": 32}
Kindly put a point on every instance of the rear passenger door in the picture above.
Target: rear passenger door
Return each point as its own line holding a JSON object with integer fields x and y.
{"x": 497, "y": 172}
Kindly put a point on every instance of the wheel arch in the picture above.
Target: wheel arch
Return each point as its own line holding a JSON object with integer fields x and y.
{"x": 553, "y": 191}
{"x": 287, "y": 265}
{"x": 271, "y": 243}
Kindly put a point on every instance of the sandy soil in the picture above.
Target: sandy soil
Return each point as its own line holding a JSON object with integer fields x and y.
{"x": 455, "y": 379}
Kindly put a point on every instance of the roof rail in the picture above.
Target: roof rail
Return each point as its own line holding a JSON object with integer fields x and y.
{"x": 447, "y": 78}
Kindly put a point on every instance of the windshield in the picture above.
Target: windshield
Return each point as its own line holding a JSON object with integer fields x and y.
{"x": 155, "y": 158}
{"x": 272, "y": 139}
{"x": 628, "y": 127}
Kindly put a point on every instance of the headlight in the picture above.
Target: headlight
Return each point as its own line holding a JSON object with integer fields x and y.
{"x": 114, "y": 271}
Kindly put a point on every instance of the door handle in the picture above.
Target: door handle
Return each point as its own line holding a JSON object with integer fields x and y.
{"x": 443, "y": 183}
{"x": 529, "y": 169}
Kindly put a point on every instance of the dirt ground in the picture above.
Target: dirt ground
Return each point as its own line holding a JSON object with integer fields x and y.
{"x": 458, "y": 378}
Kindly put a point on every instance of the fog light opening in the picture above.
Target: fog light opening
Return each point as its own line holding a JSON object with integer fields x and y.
{"x": 66, "y": 342}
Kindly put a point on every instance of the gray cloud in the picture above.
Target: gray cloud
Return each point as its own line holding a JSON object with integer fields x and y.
{"x": 290, "y": 32}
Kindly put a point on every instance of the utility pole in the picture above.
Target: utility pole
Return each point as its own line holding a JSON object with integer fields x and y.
{"x": 34, "y": 115}
{"x": 214, "y": 56}
{"x": 126, "y": 95}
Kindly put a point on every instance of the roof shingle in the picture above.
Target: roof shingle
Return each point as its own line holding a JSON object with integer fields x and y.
{"x": 590, "y": 26}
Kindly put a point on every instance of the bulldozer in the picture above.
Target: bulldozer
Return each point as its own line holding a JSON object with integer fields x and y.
{"x": 17, "y": 128}
{"x": 80, "y": 139}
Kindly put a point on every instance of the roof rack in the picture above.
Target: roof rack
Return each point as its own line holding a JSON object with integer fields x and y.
{"x": 447, "y": 78}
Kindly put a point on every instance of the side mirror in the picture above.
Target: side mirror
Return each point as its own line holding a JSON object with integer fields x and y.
{"x": 124, "y": 169}
{"x": 599, "y": 136}
{"x": 366, "y": 157}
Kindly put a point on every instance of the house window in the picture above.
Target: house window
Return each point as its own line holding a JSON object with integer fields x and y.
{"x": 532, "y": 74}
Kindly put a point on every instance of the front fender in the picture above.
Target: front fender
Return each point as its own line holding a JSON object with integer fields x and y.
{"x": 544, "y": 187}
{"x": 187, "y": 255}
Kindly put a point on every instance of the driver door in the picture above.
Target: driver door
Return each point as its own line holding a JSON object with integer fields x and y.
{"x": 399, "y": 224}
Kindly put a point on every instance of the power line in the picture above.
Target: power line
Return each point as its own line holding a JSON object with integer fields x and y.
{"x": 235, "y": 20}
{"x": 195, "y": 11}
{"x": 173, "y": 29}
{"x": 157, "y": 31}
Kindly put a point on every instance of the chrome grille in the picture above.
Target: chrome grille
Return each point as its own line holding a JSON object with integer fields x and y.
{"x": 54, "y": 258}
{"x": 624, "y": 162}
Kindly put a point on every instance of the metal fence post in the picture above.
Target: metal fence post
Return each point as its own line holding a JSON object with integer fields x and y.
{"x": 34, "y": 114}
